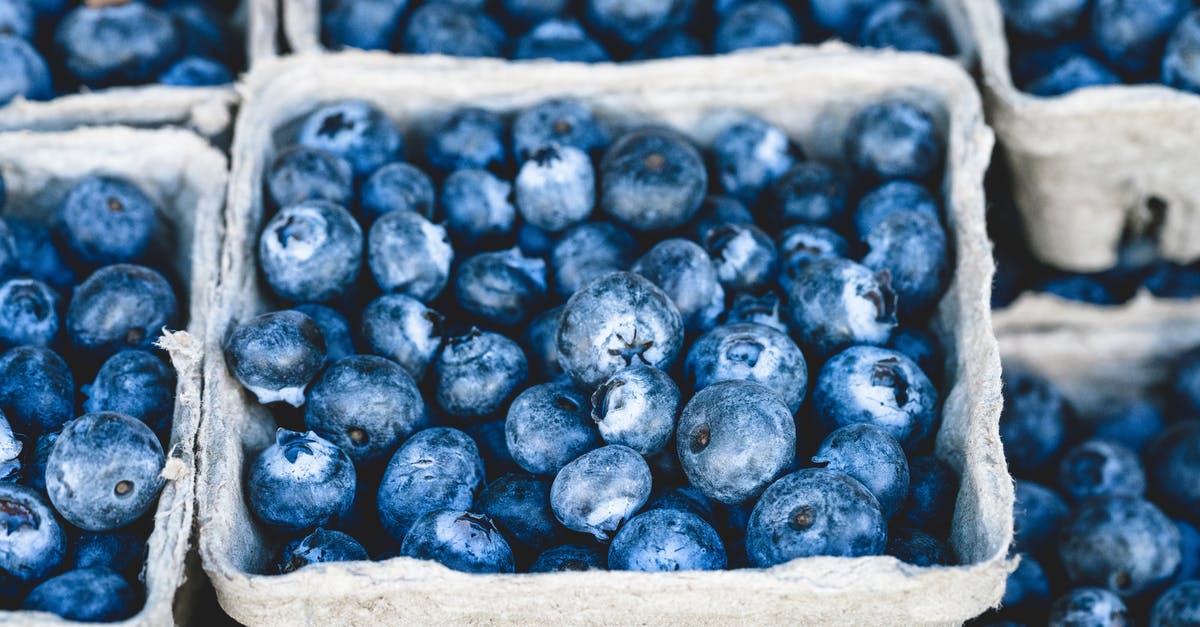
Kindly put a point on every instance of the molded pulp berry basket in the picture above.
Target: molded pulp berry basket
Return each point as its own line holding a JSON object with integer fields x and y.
{"x": 186, "y": 178}
{"x": 1087, "y": 164}
{"x": 809, "y": 92}
{"x": 1036, "y": 312}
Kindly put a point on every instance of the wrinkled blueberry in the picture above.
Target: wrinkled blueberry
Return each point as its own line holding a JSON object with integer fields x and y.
{"x": 836, "y": 303}
{"x": 436, "y": 469}
{"x": 636, "y": 407}
{"x": 600, "y": 490}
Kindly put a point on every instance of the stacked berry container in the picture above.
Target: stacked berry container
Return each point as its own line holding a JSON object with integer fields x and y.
{"x": 811, "y": 95}
{"x": 185, "y": 178}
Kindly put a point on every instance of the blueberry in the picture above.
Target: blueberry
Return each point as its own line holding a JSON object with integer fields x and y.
{"x": 23, "y": 71}
{"x": 120, "y": 306}
{"x": 493, "y": 448}
{"x": 519, "y": 504}
{"x": 37, "y": 391}
{"x": 529, "y": 11}
{"x": 300, "y": 482}
{"x": 652, "y": 179}
{"x": 467, "y": 138}
{"x": 548, "y": 426}
{"x": 436, "y": 469}
{"x": 35, "y": 475}
{"x": 311, "y": 251}
{"x": 814, "y": 512}
{"x": 750, "y": 153}
{"x": 556, "y": 187}
{"x": 716, "y": 211}
{"x": 459, "y": 540}
{"x": 932, "y": 493}
{"x": 836, "y": 303}
{"x": 104, "y": 471}
{"x": 1100, "y": 468}
{"x": 116, "y": 44}
{"x": 403, "y": 330}
{"x": 1043, "y": 19}
{"x": 35, "y": 253}
{"x": 205, "y": 30}
{"x": 892, "y": 197}
{"x": 1178, "y": 606}
{"x": 1173, "y": 463}
{"x": 569, "y": 558}
{"x": 1189, "y": 549}
{"x": 718, "y": 429}
{"x": 562, "y": 122}
{"x": 872, "y": 456}
{"x": 541, "y": 345}
{"x": 809, "y": 193}
{"x": 363, "y": 24}
{"x": 355, "y": 131}
{"x": 666, "y": 540}
{"x": 138, "y": 384}
{"x": 478, "y": 207}
{"x": 1169, "y": 280}
{"x": 803, "y": 244}
{"x": 560, "y": 40}
{"x": 1138, "y": 545}
{"x": 912, "y": 249}
{"x": 17, "y": 18}
{"x": 843, "y": 17}
{"x": 1072, "y": 72}
{"x": 107, "y": 220}
{"x": 319, "y": 547}
{"x": 669, "y": 44}
{"x": 893, "y": 139}
{"x": 28, "y": 313}
{"x": 334, "y": 328}
{"x": 600, "y": 490}
{"x": 905, "y": 25}
{"x": 765, "y": 310}
{"x": 1180, "y": 67}
{"x": 744, "y": 255}
{"x": 409, "y": 255}
{"x": 397, "y": 186}
{"x": 634, "y": 22}
{"x": 587, "y": 252}
{"x": 95, "y": 595}
{"x": 1038, "y": 515}
{"x": 750, "y": 352}
{"x": 1130, "y": 35}
{"x": 616, "y": 321}
{"x": 365, "y": 405}
{"x": 1027, "y": 590}
{"x": 300, "y": 173}
{"x": 32, "y": 543}
{"x": 1088, "y": 607}
{"x": 636, "y": 407}
{"x": 446, "y": 27}
{"x": 1185, "y": 385}
{"x": 683, "y": 270}
{"x": 122, "y": 550}
{"x": 276, "y": 355}
{"x": 194, "y": 71}
{"x": 866, "y": 384}
{"x": 1032, "y": 423}
{"x": 756, "y": 24}
{"x": 477, "y": 373}
{"x": 916, "y": 547}
{"x": 921, "y": 347}
{"x": 504, "y": 288}
{"x": 10, "y": 452}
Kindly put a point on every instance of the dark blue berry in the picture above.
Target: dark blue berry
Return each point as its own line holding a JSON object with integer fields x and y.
{"x": 836, "y": 303}
{"x": 107, "y": 220}
{"x": 356, "y": 131}
{"x": 138, "y": 384}
{"x": 404, "y": 330}
{"x": 652, "y": 179}
{"x": 319, "y": 547}
{"x": 276, "y": 355}
{"x": 478, "y": 207}
{"x": 587, "y": 252}
{"x": 28, "y": 313}
{"x": 300, "y": 173}
{"x": 117, "y": 44}
{"x": 409, "y": 255}
{"x": 600, "y": 490}
{"x": 503, "y": 288}
{"x": 300, "y": 482}
{"x": 871, "y": 455}
{"x": 893, "y": 139}
{"x": 548, "y": 425}
{"x": 449, "y": 28}
{"x": 37, "y": 390}
{"x": 94, "y": 595}
{"x": 750, "y": 352}
{"x": 477, "y": 373}
{"x": 366, "y": 405}
{"x": 397, "y": 186}
{"x": 436, "y": 469}
{"x": 667, "y": 540}
{"x": 460, "y": 541}
{"x": 683, "y": 270}
{"x": 637, "y": 407}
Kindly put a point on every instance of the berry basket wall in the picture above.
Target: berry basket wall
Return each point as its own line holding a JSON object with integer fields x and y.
{"x": 1093, "y": 165}
{"x": 1038, "y": 312}
{"x": 793, "y": 89}
{"x": 186, "y": 178}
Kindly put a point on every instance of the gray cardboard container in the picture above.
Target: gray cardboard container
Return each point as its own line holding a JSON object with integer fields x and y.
{"x": 186, "y": 178}
{"x": 809, "y": 92}
{"x": 1090, "y": 163}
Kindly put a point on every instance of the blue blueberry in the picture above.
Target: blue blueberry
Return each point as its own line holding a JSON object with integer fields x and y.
{"x": 836, "y": 303}
{"x": 561, "y": 122}
{"x": 918, "y": 548}
{"x": 872, "y": 456}
{"x": 478, "y": 207}
{"x": 921, "y": 347}
{"x": 468, "y": 138}
{"x": 1130, "y": 35}
{"x": 600, "y": 490}
{"x": 560, "y": 40}
{"x": 1122, "y": 543}
{"x": 636, "y": 407}
{"x": 1043, "y": 19}
{"x": 300, "y": 173}
{"x": 843, "y": 17}
{"x": 765, "y": 310}
{"x": 459, "y": 540}
{"x": 541, "y": 345}
{"x": 587, "y": 252}
{"x": 446, "y": 27}
{"x": 745, "y": 257}
{"x": 28, "y": 313}
{"x": 1173, "y": 464}
{"x": 1189, "y": 549}
{"x": 1185, "y": 385}
{"x": 300, "y": 482}
{"x": 409, "y": 255}
{"x": 397, "y": 186}
{"x": 276, "y": 355}
{"x": 751, "y": 154}
{"x": 1069, "y": 73}
{"x": 319, "y": 547}
{"x": 35, "y": 475}
{"x": 104, "y": 471}
{"x": 683, "y": 270}
{"x": 906, "y": 25}
{"x": 756, "y": 24}
{"x": 530, "y": 11}
{"x": 1169, "y": 280}
{"x": 404, "y": 330}
{"x": 436, "y": 469}
{"x": 334, "y": 328}
{"x": 493, "y": 448}
{"x": 23, "y": 71}
{"x": 870, "y": 385}
{"x": 1178, "y": 606}
{"x": 814, "y": 512}
{"x": 667, "y": 540}
{"x": 652, "y": 179}
{"x": 478, "y": 373}
{"x": 365, "y": 405}
{"x": 1027, "y": 590}
{"x": 570, "y": 558}
{"x": 135, "y": 383}
{"x": 17, "y": 18}
{"x": 504, "y": 288}
{"x": 803, "y": 244}
{"x": 750, "y": 352}
{"x": 669, "y": 44}
{"x": 107, "y": 220}
{"x": 194, "y": 71}
{"x": 1100, "y": 468}
{"x": 809, "y": 193}
{"x": 122, "y": 550}
{"x": 716, "y": 211}
{"x": 548, "y": 425}
{"x": 362, "y": 24}
{"x": 912, "y": 249}
{"x": 10, "y": 452}
{"x": 1181, "y": 62}
{"x": 1032, "y": 423}
{"x": 892, "y": 197}
{"x": 118, "y": 44}
{"x": 311, "y": 251}
{"x": 893, "y": 139}
{"x": 687, "y": 499}
{"x": 1088, "y": 607}
{"x": 634, "y": 22}
{"x": 32, "y": 543}
{"x": 37, "y": 391}
{"x": 616, "y": 321}
{"x": 354, "y": 130}
{"x": 932, "y": 494}
{"x": 37, "y": 255}
{"x": 205, "y": 30}
{"x": 1038, "y": 515}
{"x": 717, "y": 428}
{"x": 556, "y": 187}
{"x": 519, "y": 504}
{"x": 95, "y": 595}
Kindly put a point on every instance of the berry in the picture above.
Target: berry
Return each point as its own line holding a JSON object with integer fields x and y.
{"x": 137, "y": 384}
{"x": 32, "y": 543}
{"x": 836, "y": 303}
{"x": 600, "y": 490}
{"x": 107, "y": 220}
{"x": 667, "y": 540}
{"x": 118, "y": 307}
{"x": 436, "y": 469}
{"x": 409, "y": 255}
{"x": 28, "y": 313}
{"x": 1139, "y": 546}
{"x": 636, "y": 407}
{"x": 478, "y": 373}
{"x": 404, "y": 330}
{"x": 556, "y": 187}
{"x": 684, "y": 271}
{"x": 459, "y": 540}
{"x": 355, "y": 131}
{"x": 365, "y": 405}
{"x": 276, "y": 355}
{"x": 300, "y": 482}
{"x": 397, "y": 186}
{"x": 311, "y": 252}
{"x": 872, "y": 456}
{"x": 95, "y": 595}
{"x": 652, "y": 180}
{"x": 547, "y": 426}
{"x": 319, "y": 547}
{"x": 300, "y": 173}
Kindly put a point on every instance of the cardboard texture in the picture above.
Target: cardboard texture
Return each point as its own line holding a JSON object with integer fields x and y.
{"x": 186, "y": 178}
{"x": 1091, "y": 165}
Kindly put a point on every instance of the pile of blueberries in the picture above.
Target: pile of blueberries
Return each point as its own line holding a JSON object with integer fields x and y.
{"x": 585, "y": 351}
{"x": 593, "y": 31}
{"x": 77, "y": 492}
{"x": 50, "y": 47}
{"x": 1058, "y": 46}
{"x": 1107, "y": 506}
